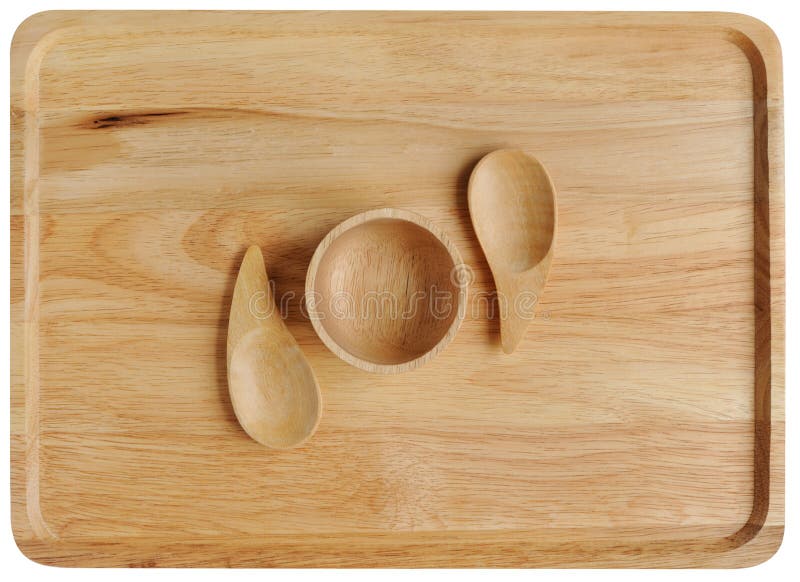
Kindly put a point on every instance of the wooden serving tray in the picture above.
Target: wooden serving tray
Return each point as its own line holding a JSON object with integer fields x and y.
{"x": 641, "y": 421}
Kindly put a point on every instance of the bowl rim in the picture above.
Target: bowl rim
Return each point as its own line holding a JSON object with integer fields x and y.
{"x": 322, "y": 249}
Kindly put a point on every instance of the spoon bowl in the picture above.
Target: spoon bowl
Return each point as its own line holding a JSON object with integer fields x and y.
{"x": 512, "y": 203}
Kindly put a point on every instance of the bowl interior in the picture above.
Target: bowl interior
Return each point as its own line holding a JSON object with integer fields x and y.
{"x": 385, "y": 291}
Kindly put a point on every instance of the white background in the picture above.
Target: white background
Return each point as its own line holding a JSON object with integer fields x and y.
{"x": 778, "y": 14}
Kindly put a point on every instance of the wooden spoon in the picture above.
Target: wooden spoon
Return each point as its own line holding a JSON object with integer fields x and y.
{"x": 273, "y": 389}
{"x": 512, "y": 203}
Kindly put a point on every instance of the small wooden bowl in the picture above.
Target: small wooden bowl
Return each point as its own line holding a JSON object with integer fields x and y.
{"x": 385, "y": 290}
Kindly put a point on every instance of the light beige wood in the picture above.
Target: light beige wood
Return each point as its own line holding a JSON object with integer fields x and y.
{"x": 640, "y": 422}
{"x": 383, "y": 290}
{"x": 273, "y": 389}
{"x": 512, "y": 203}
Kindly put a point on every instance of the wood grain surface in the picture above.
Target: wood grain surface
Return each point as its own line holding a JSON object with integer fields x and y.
{"x": 639, "y": 423}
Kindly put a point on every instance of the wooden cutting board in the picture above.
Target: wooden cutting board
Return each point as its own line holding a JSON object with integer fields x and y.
{"x": 639, "y": 423}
